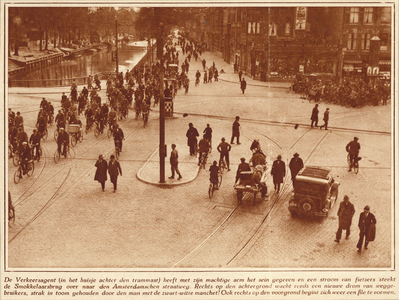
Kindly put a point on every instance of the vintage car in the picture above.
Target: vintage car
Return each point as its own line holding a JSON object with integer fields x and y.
{"x": 315, "y": 192}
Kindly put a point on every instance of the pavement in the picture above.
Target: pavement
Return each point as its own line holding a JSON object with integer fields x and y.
{"x": 64, "y": 220}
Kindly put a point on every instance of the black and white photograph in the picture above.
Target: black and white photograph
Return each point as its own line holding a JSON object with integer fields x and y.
{"x": 188, "y": 150}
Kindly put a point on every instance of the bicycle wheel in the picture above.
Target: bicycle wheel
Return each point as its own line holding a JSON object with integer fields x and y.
{"x": 348, "y": 158}
{"x": 356, "y": 167}
{"x": 56, "y": 134}
{"x": 15, "y": 158}
{"x": 56, "y": 156}
{"x": 220, "y": 178}
{"x": 17, "y": 175}
{"x": 204, "y": 161}
{"x": 96, "y": 132}
{"x": 109, "y": 133}
{"x": 40, "y": 152}
{"x": 73, "y": 140}
{"x": 221, "y": 168}
{"x": 117, "y": 152}
{"x": 80, "y": 136}
{"x": 31, "y": 168}
{"x": 210, "y": 191}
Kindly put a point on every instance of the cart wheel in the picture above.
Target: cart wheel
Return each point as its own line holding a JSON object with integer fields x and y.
{"x": 73, "y": 140}
{"x": 31, "y": 168}
{"x": 17, "y": 176}
{"x": 56, "y": 156}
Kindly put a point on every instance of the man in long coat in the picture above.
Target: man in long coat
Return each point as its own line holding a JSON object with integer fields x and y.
{"x": 345, "y": 214}
{"x": 278, "y": 172}
{"x": 296, "y": 164}
{"x": 101, "y": 172}
{"x": 243, "y": 85}
{"x": 315, "y": 115}
{"x": 191, "y": 135}
{"x": 365, "y": 220}
{"x": 114, "y": 169}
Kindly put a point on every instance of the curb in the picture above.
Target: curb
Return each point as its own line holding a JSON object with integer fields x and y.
{"x": 159, "y": 184}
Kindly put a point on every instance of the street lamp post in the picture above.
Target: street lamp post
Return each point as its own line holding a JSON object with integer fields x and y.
{"x": 162, "y": 146}
{"x": 116, "y": 46}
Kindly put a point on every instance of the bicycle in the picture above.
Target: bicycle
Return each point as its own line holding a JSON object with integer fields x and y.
{"x": 97, "y": 131}
{"x": 110, "y": 131}
{"x": 222, "y": 165}
{"x": 69, "y": 153}
{"x": 15, "y": 158}
{"x": 213, "y": 186}
{"x": 354, "y": 164}
{"x": 30, "y": 168}
{"x": 35, "y": 158}
{"x": 145, "y": 118}
{"x": 203, "y": 159}
{"x": 117, "y": 148}
{"x": 44, "y": 134}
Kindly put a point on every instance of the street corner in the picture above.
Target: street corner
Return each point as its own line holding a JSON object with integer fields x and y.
{"x": 150, "y": 171}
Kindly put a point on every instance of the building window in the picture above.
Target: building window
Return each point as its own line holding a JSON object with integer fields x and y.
{"x": 385, "y": 15}
{"x": 354, "y": 15}
{"x": 253, "y": 27}
{"x": 366, "y": 41}
{"x": 352, "y": 40}
{"x": 384, "y": 39}
{"x": 368, "y": 15}
{"x": 273, "y": 29}
{"x": 287, "y": 28}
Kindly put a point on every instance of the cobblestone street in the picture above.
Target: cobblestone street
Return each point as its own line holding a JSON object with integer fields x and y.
{"x": 64, "y": 220}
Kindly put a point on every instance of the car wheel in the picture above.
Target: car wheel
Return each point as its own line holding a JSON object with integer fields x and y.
{"x": 307, "y": 206}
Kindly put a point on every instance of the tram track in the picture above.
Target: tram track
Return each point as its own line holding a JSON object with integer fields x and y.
{"x": 234, "y": 219}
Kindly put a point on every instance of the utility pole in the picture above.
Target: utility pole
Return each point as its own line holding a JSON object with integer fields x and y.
{"x": 116, "y": 46}
{"x": 162, "y": 146}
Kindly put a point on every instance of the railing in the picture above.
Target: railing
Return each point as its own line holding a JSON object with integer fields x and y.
{"x": 56, "y": 82}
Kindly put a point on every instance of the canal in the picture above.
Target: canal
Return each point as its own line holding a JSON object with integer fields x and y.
{"x": 79, "y": 68}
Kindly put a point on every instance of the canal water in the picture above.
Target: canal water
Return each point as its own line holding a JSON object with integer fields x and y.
{"x": 80, "y": 67}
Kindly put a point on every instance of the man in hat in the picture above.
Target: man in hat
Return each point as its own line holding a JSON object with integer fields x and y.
{"x": 345, "y": 214}
{"x": 34, "y": 140}
{"x": 325, "y": 118}
{"x": 315, "y": 115}
{"x": 114, "y": 169}
{"x": 118, "y": 137}
{"x": 243, "y": 85}
{"x": 236, "y": 131}
{"x": 62, "y": 141}
{"x": 296, "y": 164}
{"x": 26, "y": 156}
{"x": 278, "y": 172}
{"x": 353, "y": 149}
{"x": 19, "y": 121}
{"x": 224, "y": 149}
{"x": 365, "y": 220}
{"x": 101, "y": 172}
{"x": 191, "y": 135}
{"x": 242, "y": 167}
{"x": 203, "y": 148}
{"x": 174, "y": 162}
{"x": 256, "y": 180}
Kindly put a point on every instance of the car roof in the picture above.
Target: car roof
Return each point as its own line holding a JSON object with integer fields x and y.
{"x": 315, "y": 173}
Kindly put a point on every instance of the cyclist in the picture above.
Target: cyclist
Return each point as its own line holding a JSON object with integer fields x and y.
{"x": 50, "y": 112}
{"x": 224, "y": 149}
{"x": 22, "y": 137}
{"x": 203, "y": 146}
{"x": 63, "y": 141}
{"x": 100, "y": 120}
{"x": 353, "y": 148}
{"x": 60, "y": 120}
{"x": 25, "y": 156}
{"x": 145, "y": 110}
{"x": 213, "y": 176}
{"x": 118, "y": 136}
{"x": 208, "y": 134}
{"x": 112, "y": 119}
{"x": 19, "y": 121}
{"x": 34, "y": 141}
{"x": 89, "y": 117}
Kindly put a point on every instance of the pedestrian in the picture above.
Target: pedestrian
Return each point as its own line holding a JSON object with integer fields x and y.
{"x": 353, "y": 149}
{"x": 114, "y": 169}
{"x": 236, "y": 131}
{"x": 243, "y": 85}
{"x": 345, "y": 214}
{"x": 205, "y": 77}
{"x": 278, "y": 172}
{"x": 315, "y": 115}
{"x": 174, "y": 162}
{"x": 203, "y": 63}
{"x": 366, "y": 222}
{"x": 239, "y": 75}
{"x": 191, "y": 135}
{"x": 101, "y": 172}
{"x": 118, "y": 137}
{"x": 296, "y": 164}
{"x": 325, "y": 118}
{"x": 242, "y": 167}
{"x": 224, "y": 149}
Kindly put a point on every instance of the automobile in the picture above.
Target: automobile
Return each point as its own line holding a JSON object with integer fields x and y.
{"x": 315, "y": 192}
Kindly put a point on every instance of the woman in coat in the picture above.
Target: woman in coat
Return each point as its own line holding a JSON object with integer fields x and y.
{"x": 278, "y": 172}
{"x": 101, "y": 172}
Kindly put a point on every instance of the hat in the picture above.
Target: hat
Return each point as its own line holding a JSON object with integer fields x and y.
{"x": 327, "y": 108}
{"x": 355, "y": 138}
{"x": 223, "y": 139}
{"x": 100, "y": 156}
{"x": 367, "y": 207}
{"x": 112, "y": 156}
{"x": 237, "y": 117}
{"x": 24, "y": 143}
{"x": 242, "y": 159}
{"x": 296, "y": 154}
{"x": 61, "y": 128}
{"x": 279, "y": 156}
{"x": 173, "y": 145}
{"x": 346, "y": 197}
